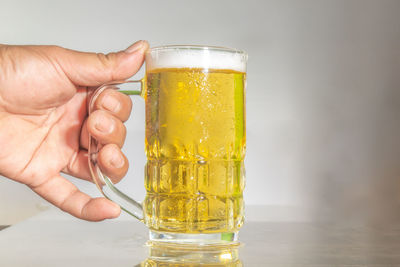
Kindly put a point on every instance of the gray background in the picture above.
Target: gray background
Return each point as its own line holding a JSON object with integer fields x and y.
{"x": 323, "y": 96}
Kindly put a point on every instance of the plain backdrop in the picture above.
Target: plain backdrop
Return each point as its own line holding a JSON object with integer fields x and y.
{"x": 323, "y": 92}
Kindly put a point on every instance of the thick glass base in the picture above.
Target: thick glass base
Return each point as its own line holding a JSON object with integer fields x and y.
{"x": 194, "y": 239}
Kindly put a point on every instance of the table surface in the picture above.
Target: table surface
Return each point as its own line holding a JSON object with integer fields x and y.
{"x": 56, "y": 239}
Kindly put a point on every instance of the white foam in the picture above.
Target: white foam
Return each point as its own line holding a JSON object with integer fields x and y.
{"x": 195, "y": 58}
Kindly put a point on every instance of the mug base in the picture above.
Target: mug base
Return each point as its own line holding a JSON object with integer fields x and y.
{"x": 226, "y": 238}
{"x": 172, "y": 254}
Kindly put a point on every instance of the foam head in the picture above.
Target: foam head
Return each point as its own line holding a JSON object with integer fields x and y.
{"x": 195, "y": 57}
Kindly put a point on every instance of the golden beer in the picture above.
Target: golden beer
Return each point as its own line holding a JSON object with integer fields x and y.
{"x": 195, "y": 145}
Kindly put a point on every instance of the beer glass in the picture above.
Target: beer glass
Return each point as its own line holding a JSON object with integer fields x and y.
{"x": 195, "y": 144}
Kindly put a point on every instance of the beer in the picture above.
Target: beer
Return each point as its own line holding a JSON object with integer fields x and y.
{"x": 195, "y": 146}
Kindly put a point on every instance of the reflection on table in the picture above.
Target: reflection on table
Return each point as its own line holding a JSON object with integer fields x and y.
{"x": 169, "y": 255}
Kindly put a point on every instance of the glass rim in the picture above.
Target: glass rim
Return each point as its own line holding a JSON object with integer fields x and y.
{"x": 197, "y": 47}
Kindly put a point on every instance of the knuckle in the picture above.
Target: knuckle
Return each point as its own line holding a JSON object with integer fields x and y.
{"x": 49, "y": 50}
{"x": 4, "y": 50}
{"x": 8, "y": 59}
{"x": 54, "y": 48}
{"x": 107, "y": 63}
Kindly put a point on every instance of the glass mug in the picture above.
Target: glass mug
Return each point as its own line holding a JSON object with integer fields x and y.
{"x": 195, "y": 144}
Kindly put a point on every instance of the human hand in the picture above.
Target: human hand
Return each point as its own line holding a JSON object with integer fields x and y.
{"x": 44, "y": 123}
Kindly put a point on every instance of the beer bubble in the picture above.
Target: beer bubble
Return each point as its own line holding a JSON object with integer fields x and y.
{"x": 201, "y": 162}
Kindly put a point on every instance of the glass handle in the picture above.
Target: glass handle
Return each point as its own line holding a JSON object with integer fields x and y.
{"x": 102, "y": 182}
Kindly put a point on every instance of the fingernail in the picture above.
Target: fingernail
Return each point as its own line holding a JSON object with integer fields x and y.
{"x": 111, "y": 103}
{"x": 104, "y": 124}
{"x": 135, "y": 47}
{"x": 117, "y": 160}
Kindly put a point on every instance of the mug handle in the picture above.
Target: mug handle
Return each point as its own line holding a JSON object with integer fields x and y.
{"x": 102, "y": 182}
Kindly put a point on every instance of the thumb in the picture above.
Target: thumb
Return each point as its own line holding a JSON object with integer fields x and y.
{"x": 93, "y": 69}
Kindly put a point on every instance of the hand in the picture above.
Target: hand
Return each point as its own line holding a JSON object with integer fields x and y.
{"x": 44, "y": 123}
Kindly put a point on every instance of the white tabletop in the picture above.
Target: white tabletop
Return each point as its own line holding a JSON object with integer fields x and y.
{"x": 53, "y": 238}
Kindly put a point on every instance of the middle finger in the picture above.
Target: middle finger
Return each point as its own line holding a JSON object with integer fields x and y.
{"x": 106, "y": 128}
